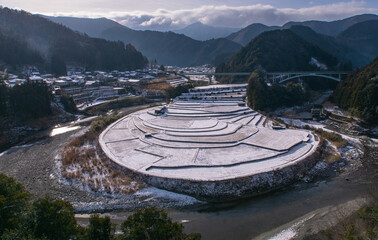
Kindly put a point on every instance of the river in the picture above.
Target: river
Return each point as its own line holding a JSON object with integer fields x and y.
{"x": 244, "y": 219}
{"x": 248, "y": 218}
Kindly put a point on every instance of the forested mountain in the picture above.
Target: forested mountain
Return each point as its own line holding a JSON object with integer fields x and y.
{"x": 203, "y": 32}
{"x": 350, "y": 40}
{"x": 14, "y": 52}
{"x": 359, "y": 92}
{"x": 279, "y": 50}
{"x": 357, "y": 44}
{"x": 59, "y": 45}
{"x": 166, "y": 47}
{"x": 333, "y": 28}
{"x": 91, "y": 26}
{"x": 248, "y": 33}
{"x": 362, "y": 37}
{"x": 335, "y": 46}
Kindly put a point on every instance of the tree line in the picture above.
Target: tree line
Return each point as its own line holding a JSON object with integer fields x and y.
{"x": 47, "y": 218}
{"x": 28, "y": 100}
{"x": 266, "y": 98}
{"x": 16, "y": 53}
{"x": 359, "y": 93}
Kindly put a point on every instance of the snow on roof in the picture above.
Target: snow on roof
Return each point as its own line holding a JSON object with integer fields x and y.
{"x": 35, "y": 78}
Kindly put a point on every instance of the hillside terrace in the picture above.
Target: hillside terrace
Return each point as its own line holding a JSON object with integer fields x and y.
{"x": 190, "y": 145}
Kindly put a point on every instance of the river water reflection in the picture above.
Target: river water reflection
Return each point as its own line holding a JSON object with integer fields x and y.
{"x": 248, "y": 218}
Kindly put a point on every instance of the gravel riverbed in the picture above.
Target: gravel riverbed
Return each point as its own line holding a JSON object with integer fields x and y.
{"x": 35, "y": 167}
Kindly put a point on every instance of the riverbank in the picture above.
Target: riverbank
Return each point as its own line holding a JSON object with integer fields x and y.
{"x": 335, "y": 216}
{"x": 35, "y": 166}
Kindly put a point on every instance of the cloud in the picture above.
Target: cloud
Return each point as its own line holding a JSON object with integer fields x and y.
{"x": 229, "y": 16}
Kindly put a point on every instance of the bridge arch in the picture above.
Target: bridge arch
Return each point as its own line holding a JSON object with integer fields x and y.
{"x": 309, "y": 75}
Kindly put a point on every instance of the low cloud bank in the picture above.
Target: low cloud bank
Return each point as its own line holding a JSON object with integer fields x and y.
{"x": 228, "y": 16}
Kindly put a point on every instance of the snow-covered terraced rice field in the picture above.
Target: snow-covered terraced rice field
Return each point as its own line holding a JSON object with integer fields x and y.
{"x": 190, "y": 146}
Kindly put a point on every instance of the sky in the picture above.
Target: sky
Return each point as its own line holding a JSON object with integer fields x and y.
{"x": 175, "y": 14}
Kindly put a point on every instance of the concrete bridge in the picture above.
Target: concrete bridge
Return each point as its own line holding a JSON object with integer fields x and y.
{"x": 281, "y": 77}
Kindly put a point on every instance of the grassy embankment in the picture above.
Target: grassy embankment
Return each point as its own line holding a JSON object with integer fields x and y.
{"x": 118, "y": 104}
{"x": 84, "y": 162}
{"x": 360, "y": 225}
{"x": 336, "y": 141}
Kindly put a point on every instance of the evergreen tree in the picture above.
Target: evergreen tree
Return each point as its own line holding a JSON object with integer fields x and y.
{"x": 263, "y": 97}
{"x": 57, "y": 65}
{"x": 257, "y": 92}
{"x": 31, "y": 99}
{"x": 100, "y": 228}
{"x": 358, "y": 93}
{"x": 3, "y": 98}
{"x": 68, "y": 103}
{"x": 53, "y": 219}
{"x": 152, "y": 223}
{"x": 13, "y": 203}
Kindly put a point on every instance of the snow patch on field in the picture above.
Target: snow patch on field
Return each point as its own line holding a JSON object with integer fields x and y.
{"x": 60, "y": 130}
{"x": 17, "y": 147}
{"x": 300, "y": 123}
{"x": 153, "y": 193}
{"x": 285, "y": 235}
{"x": 316, "y": 125}
{"x": 320, "y": 65}
{"x": 291, "y": 232}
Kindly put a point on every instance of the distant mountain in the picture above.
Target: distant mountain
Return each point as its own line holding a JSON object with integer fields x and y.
{"x": 330, "y": 44}
{"x": 279, "y": 50}
{"x": 91, "y": 26}
{"x": 202, "y": 32}
{"x": 358, "y": 43}
{"x": 248, "y": 33}
{"x": 362, "y": 37}
{"x": 360, "y": 50}
{"x": 166, "y": 47}
{"x": 333, "y": 28}
{"x": 59, "y": 45}
{"x": 359, "y": 92}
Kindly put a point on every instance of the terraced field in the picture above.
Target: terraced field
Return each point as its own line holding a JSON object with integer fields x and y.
{"x": 189, "y": 146}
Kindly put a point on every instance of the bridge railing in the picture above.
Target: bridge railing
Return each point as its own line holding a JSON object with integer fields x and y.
{"x": 280, "y": 76}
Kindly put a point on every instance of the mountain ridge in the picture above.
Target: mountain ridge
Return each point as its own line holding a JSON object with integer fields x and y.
{"x": 359, "y": 51}
{"x": 333, "y": 28}
{"x": 167, "y": 48}
{"x": 248, "y": 33}
{"x": 203, "y": 32}
{"x": 59, "y": 45}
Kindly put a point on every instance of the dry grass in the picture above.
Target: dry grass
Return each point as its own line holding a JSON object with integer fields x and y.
{"x": 84, "y": 163}
{"x": 331, "y": 155}
{"x": 335, "y": 138}
{"x": 329, "y": 152}
{"x": 156, "y": 85}
{"x": 360, "y": 225}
